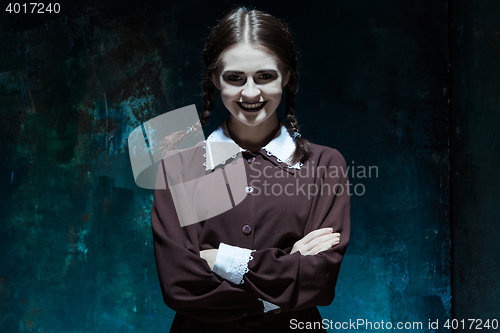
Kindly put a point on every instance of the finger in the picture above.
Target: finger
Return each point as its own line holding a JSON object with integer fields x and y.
{"x": 322, "y": 247}
{"x": 336, "y": 238}
{"x": 328, "y": 238}
{"x": 320, "y": 243}
{"x": 316, "y": 233}
{"x": 304, "y": 245}
{"x": 322, "y": 239}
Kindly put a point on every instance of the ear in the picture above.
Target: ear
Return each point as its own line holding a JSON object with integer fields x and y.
{"x": 286, "y": 78}
{"x": 215, "y": 81}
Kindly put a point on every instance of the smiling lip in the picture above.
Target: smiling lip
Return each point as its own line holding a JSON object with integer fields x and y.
{"x": 251, "y": 109}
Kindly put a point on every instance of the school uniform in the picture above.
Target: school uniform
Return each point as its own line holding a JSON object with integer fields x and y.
{"x": 256, "y": 285}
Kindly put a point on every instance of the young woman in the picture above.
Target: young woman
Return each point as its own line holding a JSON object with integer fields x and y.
{"x": 265, "y": 264}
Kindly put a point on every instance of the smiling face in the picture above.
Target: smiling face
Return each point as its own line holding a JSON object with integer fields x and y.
{"x": 251, "y": 83}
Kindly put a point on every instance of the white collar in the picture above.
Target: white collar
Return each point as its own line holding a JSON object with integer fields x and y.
{"x": 282, "y": 146}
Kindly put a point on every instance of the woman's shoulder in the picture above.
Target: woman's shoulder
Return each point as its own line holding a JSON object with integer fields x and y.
{"x": 324, "y": 155}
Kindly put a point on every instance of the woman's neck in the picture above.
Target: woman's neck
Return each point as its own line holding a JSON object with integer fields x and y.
{"x": 253, "y": 138}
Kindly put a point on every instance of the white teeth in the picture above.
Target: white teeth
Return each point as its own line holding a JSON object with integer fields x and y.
{"x": 252, "y": 106}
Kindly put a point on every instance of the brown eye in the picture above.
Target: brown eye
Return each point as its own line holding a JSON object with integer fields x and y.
{"x": 266, "y": 76}
{"x": 233, "y": 78}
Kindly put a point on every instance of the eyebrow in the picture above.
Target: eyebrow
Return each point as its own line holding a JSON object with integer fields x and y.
{"x": 259, "y": 71}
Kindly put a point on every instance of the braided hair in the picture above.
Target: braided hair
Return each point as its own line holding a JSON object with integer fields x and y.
{"x": 255, "y": 27}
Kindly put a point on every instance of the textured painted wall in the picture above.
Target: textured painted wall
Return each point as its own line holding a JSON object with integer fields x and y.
{"x": 76, "y": 247}
{"x": 383, "y": 87}
{"x": 475, "y": 158}
{"x": 76, "y": 244}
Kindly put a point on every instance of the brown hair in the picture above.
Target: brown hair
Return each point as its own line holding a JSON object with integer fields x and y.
{"x": 255, "y": 27}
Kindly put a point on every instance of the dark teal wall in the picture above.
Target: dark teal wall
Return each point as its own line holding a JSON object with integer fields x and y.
{"x": 76, "y": 247}
{"x": 475, "y": 158}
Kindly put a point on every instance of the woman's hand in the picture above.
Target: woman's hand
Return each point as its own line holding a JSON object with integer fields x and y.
{"x": 316, "y": 241}
{"x": 313, "y": 243}
{"x": 209, "y": 256}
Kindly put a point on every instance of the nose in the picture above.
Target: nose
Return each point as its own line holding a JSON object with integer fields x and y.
{"x": 250, "y": 89}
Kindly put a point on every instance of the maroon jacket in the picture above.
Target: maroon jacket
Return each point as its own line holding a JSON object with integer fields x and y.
{"x": 285, "y": 205}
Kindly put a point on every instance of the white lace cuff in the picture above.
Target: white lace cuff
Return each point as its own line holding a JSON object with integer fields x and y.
{"x": 268, "y": 306}
{"x": 231, "y": 262}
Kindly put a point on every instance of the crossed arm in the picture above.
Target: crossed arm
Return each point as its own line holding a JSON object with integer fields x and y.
{"x": 313, "y": 243}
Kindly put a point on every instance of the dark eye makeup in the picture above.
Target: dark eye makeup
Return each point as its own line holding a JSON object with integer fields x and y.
{"x": 233, "y": 77}
{"x": 266, "y": 76}
{"x": 262, "y": 76}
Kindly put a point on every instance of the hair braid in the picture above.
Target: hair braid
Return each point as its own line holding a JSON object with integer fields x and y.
{"x": 303, "y": 150}
{"x": 208, "y": 97}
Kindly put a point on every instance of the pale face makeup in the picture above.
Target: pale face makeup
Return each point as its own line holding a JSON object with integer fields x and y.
{"x": 251, "y": 83}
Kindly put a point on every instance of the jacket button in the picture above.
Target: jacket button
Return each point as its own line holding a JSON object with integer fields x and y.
{"x": 277, "y": 311}
{"x": 251, "y": 160}
{"x": 247, "y": 229}
{"x": 249, "y": 189}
